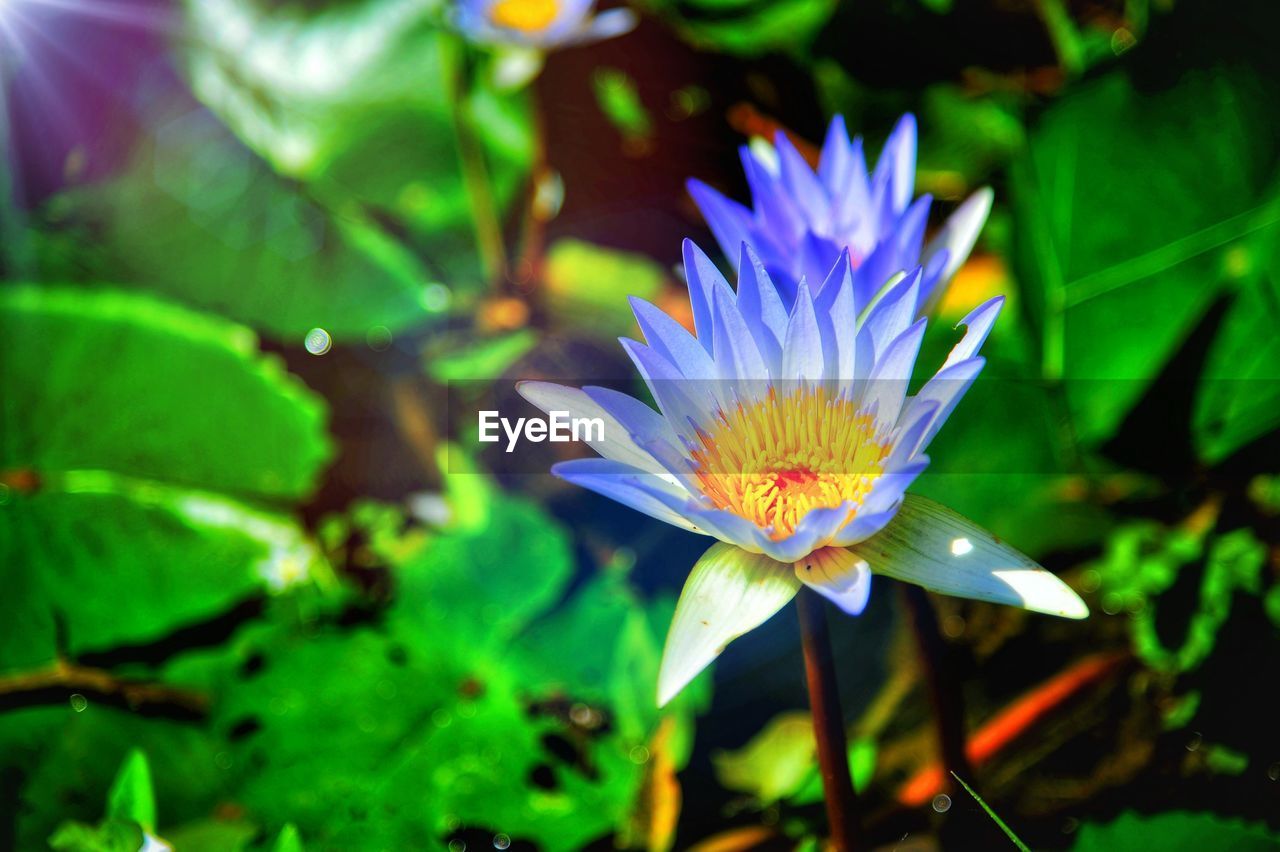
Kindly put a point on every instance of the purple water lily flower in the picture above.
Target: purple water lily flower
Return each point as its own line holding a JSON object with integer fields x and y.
{"x": 800, "y": 220}
{"x": 540, "y": 24}
{"x": 785, "y": 431}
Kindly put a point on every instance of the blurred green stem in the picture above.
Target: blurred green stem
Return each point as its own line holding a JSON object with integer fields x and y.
{"x": 533, "y": 239}
{"x": 828, "y": 722}
{"x": 475, "y": 174}
{"x": 1063, "y": 34}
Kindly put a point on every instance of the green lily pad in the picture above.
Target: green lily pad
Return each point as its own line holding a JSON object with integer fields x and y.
{"x": 124, "y": 426}
{"x": 477, "y": 702}
{"x": 381, "y": 132}
{"x": 1175, "y": 831}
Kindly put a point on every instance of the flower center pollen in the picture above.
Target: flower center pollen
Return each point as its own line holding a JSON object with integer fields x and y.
{"x": 528, "y": 16}
{"x": 774, "y": 460}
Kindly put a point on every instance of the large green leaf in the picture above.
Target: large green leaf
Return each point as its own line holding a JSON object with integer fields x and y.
{"x": 97, "y": 561}
{"x": 746, "y": 27}
{"x": 1174, "y": 831}
{"x": 70, "y": 758}
{"x": 1003, "y": 439}
{"x": 100, "y": 380}
{"x": 975, "y": 473}
{"x": 298, "y": 83}
{"x": 1239, "y": 398}
{"x": 472, "y": 704}
{"x": 602, "y": 647}
{"x": 364, "y": 102}
{"x": 494, "y": 578}
{"x": 109, "y": 836}
{"x": 124, "y": 425}
{"x": 199, "y": 218}
{"x": 1129, "y": 205}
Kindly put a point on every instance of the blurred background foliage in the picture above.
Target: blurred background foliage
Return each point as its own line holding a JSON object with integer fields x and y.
{"x": 263, "y": 261}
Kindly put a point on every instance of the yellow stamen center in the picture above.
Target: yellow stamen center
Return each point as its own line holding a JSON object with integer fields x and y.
{"x": 774, "y": 460}
{"x": 528, "y": 16}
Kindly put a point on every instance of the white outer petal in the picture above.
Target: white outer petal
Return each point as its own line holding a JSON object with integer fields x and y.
{"x": 617, "y": 444}
{"x": 839, "y": 575}
{"x": 932, "y": 546}
{"x": 728, "y": 593}
{"x": 957, "y": 236}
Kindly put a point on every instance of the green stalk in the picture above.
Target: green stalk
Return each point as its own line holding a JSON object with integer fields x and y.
{"x": 475, "y": 173}
{"x": 1064, "y": 35}
{"x": 1008, "y": 832}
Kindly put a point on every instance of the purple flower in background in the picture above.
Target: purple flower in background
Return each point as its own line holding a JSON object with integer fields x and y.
{"x": 801, "y": 220}
{"x": 540, "y": 24}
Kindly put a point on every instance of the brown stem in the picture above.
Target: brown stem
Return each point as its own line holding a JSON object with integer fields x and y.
{"x": 943, "y": 685}
{"x": 529, "y": 267}
{"x": 62, "y": 680}
{"x": 828, "y": 722}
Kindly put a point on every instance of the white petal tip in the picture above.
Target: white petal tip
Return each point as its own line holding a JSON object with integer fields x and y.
{"x": 1042, "y": 592}
{"x": 1078, "y": 612}
{"x": 728, "y": 593}
{"x": 676, "y": 673}
{"x": 529, "y": 388}
{"x": 1075, "y": 608}
{"x": 932, "y": 546}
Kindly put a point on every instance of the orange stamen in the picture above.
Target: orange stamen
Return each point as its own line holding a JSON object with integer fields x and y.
{"x": 527, "y": 16}
{"x": 774, "y": 460}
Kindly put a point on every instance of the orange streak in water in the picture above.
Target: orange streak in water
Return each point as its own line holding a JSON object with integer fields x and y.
{"x": 1013, "y": 721}
{"x": 749, "y": 121}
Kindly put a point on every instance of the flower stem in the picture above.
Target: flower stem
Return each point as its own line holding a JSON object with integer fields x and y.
{"x": 475, "y": 174}
{"x": 944, "y": 687}
{"x": 527, "y": 270}
{"x": 828, "y": 722}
